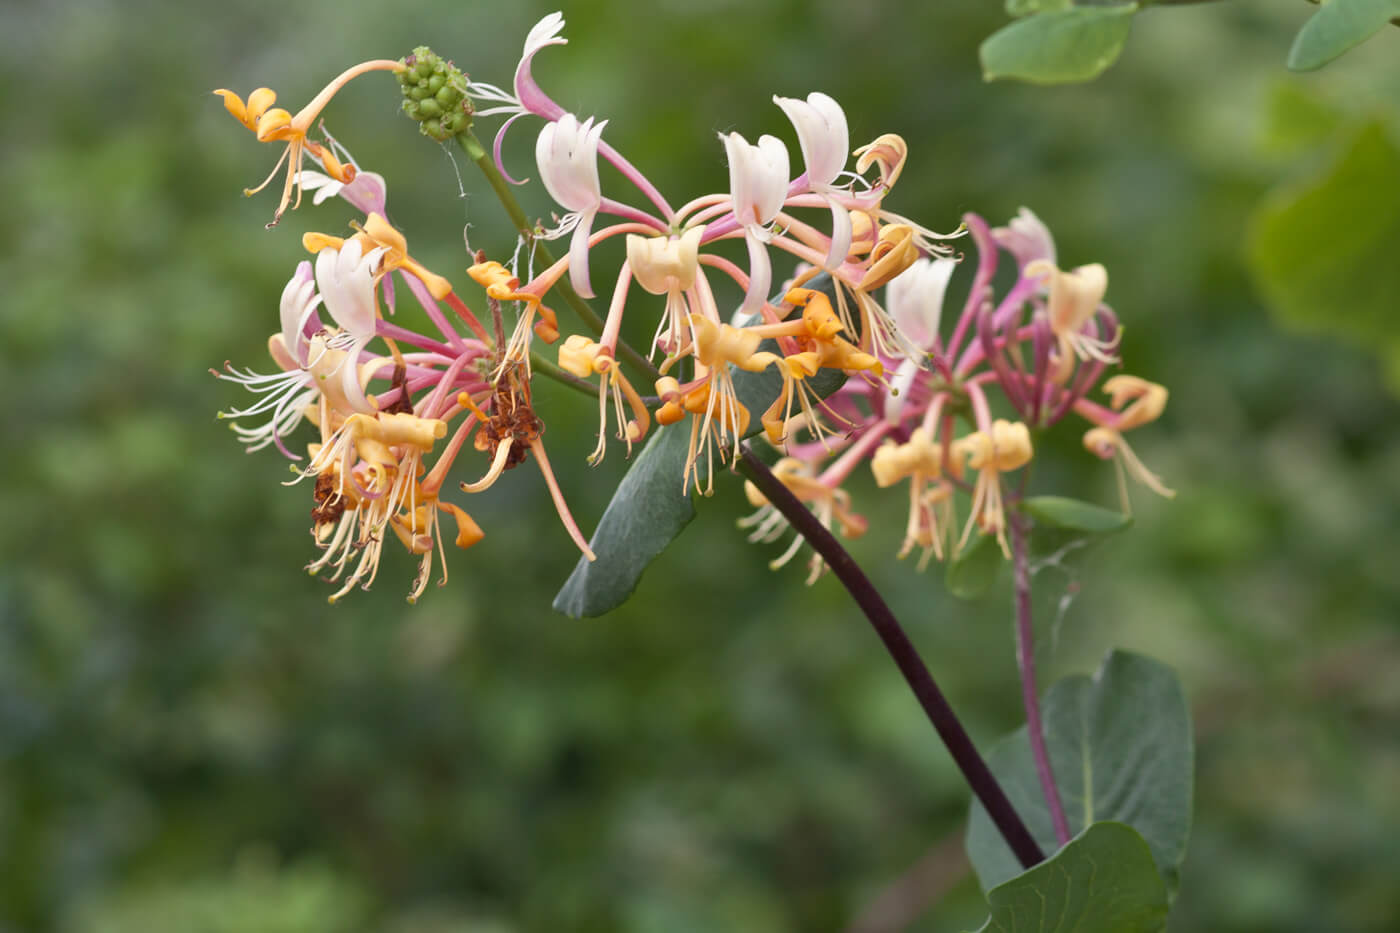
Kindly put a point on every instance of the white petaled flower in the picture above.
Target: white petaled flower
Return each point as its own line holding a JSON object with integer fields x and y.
{"x": 758, "y": 183}
{"x": 544, "y": 33}
{"x": 299, "y": 301}
{"x": 914, "y": 299}
{"x": 825, "y": 140}
{"x": 1027, "y": 238}
{"x": 346, "y": 278}
{"x": 284, "y": 394}
{"x": 567, "y": 154}
{"x": 526, "y": 96}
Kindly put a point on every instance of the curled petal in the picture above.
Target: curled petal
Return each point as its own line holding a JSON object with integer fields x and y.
{"x": 822, "y": 133}
{"x": 496, "y": 150}
{"x": 841, "y": 235}
{"x": 249, "y": 115}
{"x": 760, "y": 276}
{"x": 1138, "y": 400}
{"x": 889, "y": 152}
{"x": 578, "y": 255}
{"x": 299, "y": 301}
{"x": 545, "y": 33}
{"x": 894, "y": 252}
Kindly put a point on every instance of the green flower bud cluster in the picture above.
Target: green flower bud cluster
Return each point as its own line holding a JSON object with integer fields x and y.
{"x": 435, "y": 94}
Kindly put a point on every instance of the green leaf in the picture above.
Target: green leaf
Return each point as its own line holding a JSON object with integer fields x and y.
{"x": 1073, "y": 515}
{"x": 1027, "y": 7}
{"x": 646, "y": 513}
{"x": 1298, "y": 119}
{"x": 1121, "y": 749}
{"x": 973, "y": 572}
{"x": 1059, "y": 46}
{"x": 1336, "y": 27}
{"x": 1323, "y": 253}
{"x": 651, "y": 506}
{"x": 1102, "y": 881}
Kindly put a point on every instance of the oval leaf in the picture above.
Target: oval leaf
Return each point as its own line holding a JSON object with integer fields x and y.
{"x": 1073, "y": 515}
{"x": 646, "y": 513}
{"x": 651, "y": 507}
{"x": 1121, "y": 749}
{"x": 1060, "y": 46}
{"x": 1102, "y": 881}
{"x": 974, "y": 571}
{"x": 1337, "y": 26}
{"x": 1324, "y": 253}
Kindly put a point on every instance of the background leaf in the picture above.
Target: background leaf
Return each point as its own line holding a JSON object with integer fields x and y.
{"x": 1026, "y": 7}
{"x": 1074, "y": 515}
{"x": 1060, "y": 46}
{"x": 1338, "y": 26}
{"x": 973, "y": 572}
{"x": 651, "y": 506}
{"x": 1103, "y": 881}
{"x": 1323, "y": 253}
{"x": 1121, "y": 749}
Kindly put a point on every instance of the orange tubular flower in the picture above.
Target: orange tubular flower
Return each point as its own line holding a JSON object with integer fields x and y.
{"x": 583, "y": 357}
{"x": 820, "y": 346}
{"x": 378, "y": 233}
{"x": 828, "y": 504}
{"x": 502, "y": 286}
{"x": 921, "y": 460}
{"x": 723, "y": 419}
{"x": 1138, "y": 402}
{"x": 273, "y": 124}
{"x": 1007, "y": 448}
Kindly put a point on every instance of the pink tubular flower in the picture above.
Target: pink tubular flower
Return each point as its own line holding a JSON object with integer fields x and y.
{"x": 527, "y": 96}
{"x": 567, "y": 153}
{"x": 825, "y": 140}
{"x": 758, "y": 180}
{"x": 1027, "y": 238}
{"x": 544, "y": 33}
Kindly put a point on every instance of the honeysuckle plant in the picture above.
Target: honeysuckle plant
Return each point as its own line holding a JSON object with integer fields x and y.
{"x": 852, "y": 362}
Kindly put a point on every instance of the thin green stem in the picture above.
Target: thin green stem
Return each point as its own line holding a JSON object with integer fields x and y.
{"x": 906, "y": 657}
{"x": 478, "y": 154}
{"x": 544, "y": 367}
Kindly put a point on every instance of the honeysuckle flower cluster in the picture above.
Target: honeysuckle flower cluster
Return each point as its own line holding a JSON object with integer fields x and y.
{"x": 393, "y": 409}
{"x": 1038, "y": 353}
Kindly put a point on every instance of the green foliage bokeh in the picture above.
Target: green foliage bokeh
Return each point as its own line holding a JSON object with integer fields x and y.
{"x": 192, "y": 740}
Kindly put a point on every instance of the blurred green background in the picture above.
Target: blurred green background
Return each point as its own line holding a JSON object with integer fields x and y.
{"x": 192, "y": 740}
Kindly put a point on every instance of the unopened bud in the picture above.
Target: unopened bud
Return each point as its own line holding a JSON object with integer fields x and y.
{"x": 435, "y": 94}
